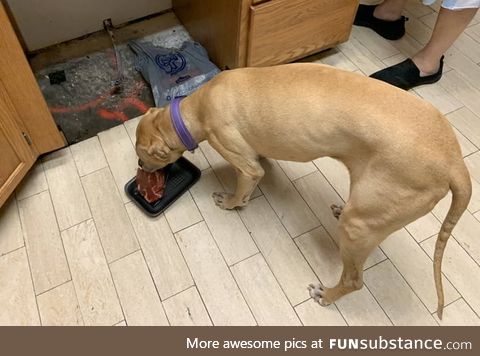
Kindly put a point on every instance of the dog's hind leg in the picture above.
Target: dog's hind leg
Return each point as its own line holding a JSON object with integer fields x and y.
{"x": 373, "y": 212}
{"x": 357, "y": 241}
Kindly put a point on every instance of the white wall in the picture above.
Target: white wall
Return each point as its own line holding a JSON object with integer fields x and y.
{"x": 46, "y": 22}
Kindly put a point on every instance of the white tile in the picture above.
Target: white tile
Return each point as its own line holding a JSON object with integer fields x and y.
{"x": 429, "y": 19}
{"x": 16, "y": 291}
{"x": 138, "y": 296}
{"x": 458, "y": 314}
{"x": 88, "y": 156}
{"x": 68, "y": 198}
{"x": 264, "y": 296}
{"x": 407, "y": 45}
{"x": 469, "y": 70}
{"x": 295, "y": 170}
{"x": 223, "y": 300}
{"x": 460, "y": 269}
{"x": 223, "y": 170}
{"x": 398, "y": 58}
{"x": 337, "y": 175}
{"x": 183, "y": 213}
{"x": 358, "y": 308}
{"x": 313, "y": 314}
{"x": 474, "y": 31}
{"x": 416, "y": 268}
{"x": 131, "y": 128}
{"x": 320, "y": 196}
{"x": 379, "y": 46}
{"x": 469, "y": 47}
{"x": 365, "y": 60}
{"x": 91, "y": 277}
{"x": 417, "y": 29}
{"x": 473, "y": 165}
{"x": 121, "y": 156}
{"x": 335, "y": 58}
{"x": 423, "y": 228}
{"x": 11, "y": 236}
{"x": 187, "y": 309}
{"x": 59, "y": 307}
{"x": 395, "y": 296}
{"x": 114, "y": 228}
{"x": 162, "y": 254}
{"x": 34, "y": 183}
{"x": 439, "y": 97}
{"x": 228, "y": 230}
{"x": 456, "y": 85}
{"x": 290, "y": 207}
{"x": 122, "y": 323}
{"x": 44, "y": 245}
{"x": 282, "y": 255}
{"x": 467, "y": 123}
{"x": 466, "y": 145}
{"x": 417, "y": 9}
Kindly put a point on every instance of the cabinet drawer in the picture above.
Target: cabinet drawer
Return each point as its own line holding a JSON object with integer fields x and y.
{"x": 285, "y": 30}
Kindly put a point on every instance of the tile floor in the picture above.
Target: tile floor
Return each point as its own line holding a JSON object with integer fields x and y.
{"x": 75, "y": 251}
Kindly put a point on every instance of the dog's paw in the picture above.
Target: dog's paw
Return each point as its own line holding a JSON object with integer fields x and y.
{"x": 317, "y": 292}
{"x": 336, "y": 210}
{"x": 223, "y": 200}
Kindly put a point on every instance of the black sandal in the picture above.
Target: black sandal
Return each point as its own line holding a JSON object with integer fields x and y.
{"x": 406, "y": 75}
{"x": 391, "y": 30}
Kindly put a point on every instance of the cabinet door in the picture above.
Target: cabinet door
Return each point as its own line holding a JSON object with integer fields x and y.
{"x": 27, "y": 129}
{"x": 284, "y": 30}
{"x": 16, "y": 155}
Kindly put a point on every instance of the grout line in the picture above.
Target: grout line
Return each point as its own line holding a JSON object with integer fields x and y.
{"x": 377, "y": 301}
{"x": 50, "y": 289}
{"x": 122, "y": 257}
{"x": 188, "y": 268}
{"x": 179, "y": 292}
{"x": 29, "y": 263}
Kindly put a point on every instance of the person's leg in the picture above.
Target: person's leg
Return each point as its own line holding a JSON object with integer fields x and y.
{"x": 389, "y": 10}
{"x": 385, "y": 19}
{"x": 449, "y": 26}
{"x": 427, "y": 65}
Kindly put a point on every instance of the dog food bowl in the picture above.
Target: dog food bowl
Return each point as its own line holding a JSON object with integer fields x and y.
{"x": 179, "y": 176}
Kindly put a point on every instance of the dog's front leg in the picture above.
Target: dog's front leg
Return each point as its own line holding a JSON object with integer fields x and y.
{"x": 249, "y": 172}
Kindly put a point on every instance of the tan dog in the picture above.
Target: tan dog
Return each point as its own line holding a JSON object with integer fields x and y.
{"x": 401, "y": 152}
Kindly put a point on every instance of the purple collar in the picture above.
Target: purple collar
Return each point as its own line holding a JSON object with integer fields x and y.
{"x": 179, "y": 126}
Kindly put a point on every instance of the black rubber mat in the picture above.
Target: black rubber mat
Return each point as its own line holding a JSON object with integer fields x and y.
{"x": 180, "y": 176}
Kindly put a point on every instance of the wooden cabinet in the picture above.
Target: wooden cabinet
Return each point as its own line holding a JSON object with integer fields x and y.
{"x": 239, "y": 33}
{"x": 27, "y": 129}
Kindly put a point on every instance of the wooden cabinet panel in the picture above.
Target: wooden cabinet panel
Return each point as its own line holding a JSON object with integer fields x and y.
{"x": 24, "y": 93}
{"x": 16, "y": 156}
{"x": 239, "y": 33}
{"x": 27, "y": 128}
{"x": 214, "y": 24}
{"x": 285, "y": 30}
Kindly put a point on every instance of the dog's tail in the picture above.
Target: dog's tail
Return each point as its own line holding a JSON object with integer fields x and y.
{"x": 461, "y": 187}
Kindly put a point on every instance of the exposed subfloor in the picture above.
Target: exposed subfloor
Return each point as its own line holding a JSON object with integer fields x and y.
{"x": 84, "y": 102}
{"x": 75, "y": 251}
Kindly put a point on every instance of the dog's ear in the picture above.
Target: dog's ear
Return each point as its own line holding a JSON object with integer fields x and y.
{"x": 158, "y": 151}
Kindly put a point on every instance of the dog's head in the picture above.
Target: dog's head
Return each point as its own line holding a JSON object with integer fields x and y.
{"x": 152, "y": 149}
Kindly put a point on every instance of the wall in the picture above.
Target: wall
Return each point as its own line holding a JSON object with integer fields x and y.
{"x": 46, "y": 22}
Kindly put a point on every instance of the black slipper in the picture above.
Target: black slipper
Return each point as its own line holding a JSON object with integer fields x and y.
{"x": 391, "y": 30}
{"x": 406, "y": 75}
